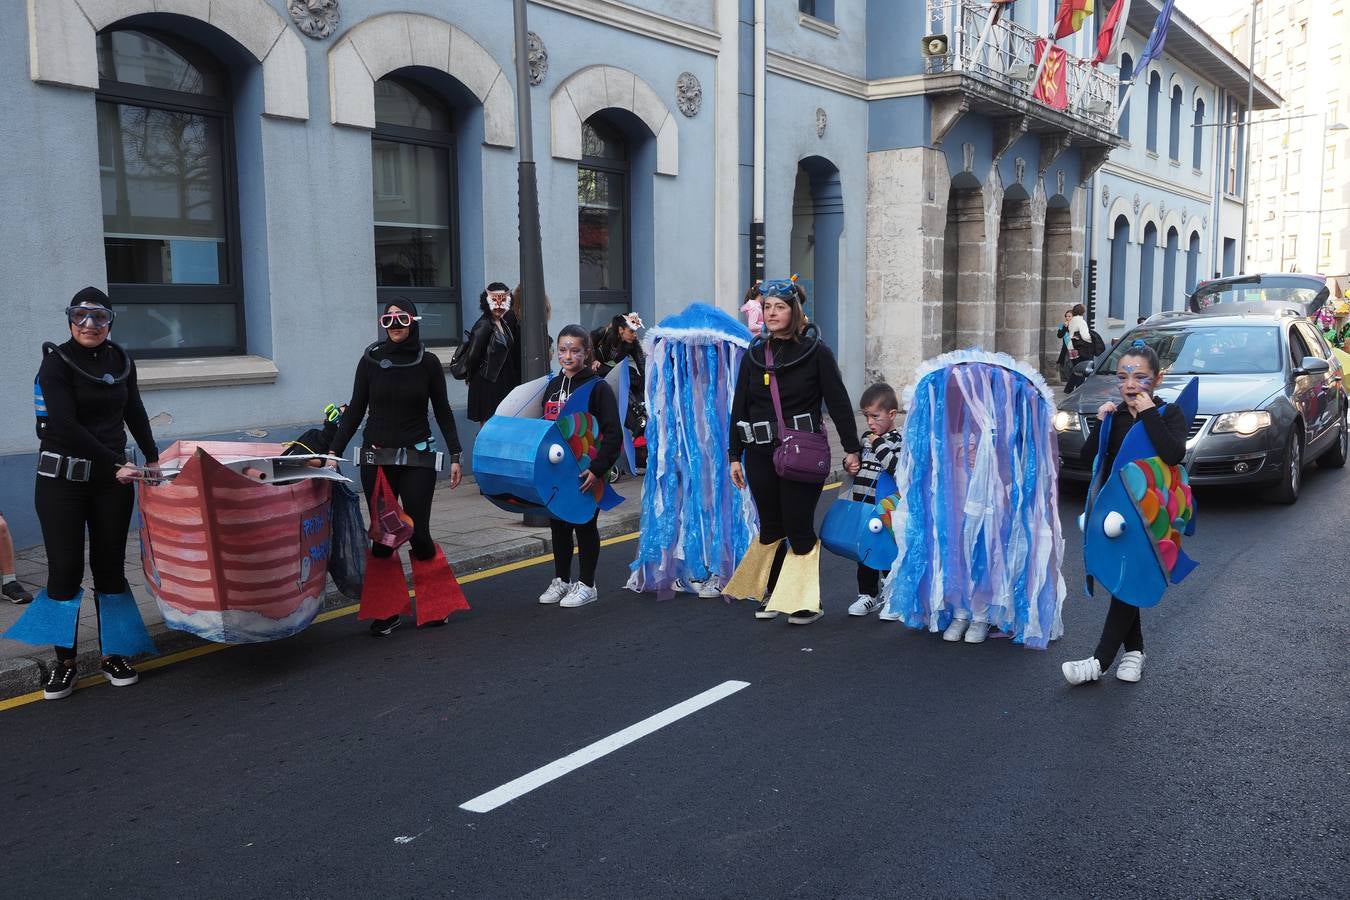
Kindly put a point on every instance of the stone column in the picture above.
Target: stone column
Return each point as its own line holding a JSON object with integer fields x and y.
{"x": 907, "y": 193}
{"x": 1057, "y": 290}
{"x": 976, "y": 214}
{"x": 1021, "y": 238}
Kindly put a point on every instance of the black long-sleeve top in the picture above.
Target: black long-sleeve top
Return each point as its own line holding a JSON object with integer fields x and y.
{"x": 1167, "y": 431}
{"x": 610, "y": 351}
{"x": 603, "y": 405}
{"x": 803, "y": 388}
{"x": 86, "y": 418}
{"x": 397, "y": 399}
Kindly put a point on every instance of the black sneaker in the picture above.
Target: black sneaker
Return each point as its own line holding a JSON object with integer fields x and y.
{"x": 118, "y": 671}
{"x": 16, "y": 593}
{"x": 436, "y": 623}
{"x": 805, "y": 616}
{"x": 60, "y": 682}
{"x": 763, "y": 611}
{"x": 383, "y": 627}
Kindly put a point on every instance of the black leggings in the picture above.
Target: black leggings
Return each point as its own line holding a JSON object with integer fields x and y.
{"x": 787, "y": 509}
{"x": 414, "y": 486}
{"x": 869, "y": 581}
{"x": 1121, "y": 628}
{"x": 588, "y": 543}
{"x": 67, "y": 510}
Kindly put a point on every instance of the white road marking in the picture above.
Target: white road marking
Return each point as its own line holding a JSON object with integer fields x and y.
{"x": 603, "y": 747}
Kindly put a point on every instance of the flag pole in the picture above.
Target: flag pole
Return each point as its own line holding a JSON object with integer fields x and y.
{"x": 995, "y": 10}
{"x": 1124, "y": 99}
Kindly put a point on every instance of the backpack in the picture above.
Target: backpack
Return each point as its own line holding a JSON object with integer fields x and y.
{"x": 1098, "y": 345}
{"x": 459, "y": 362}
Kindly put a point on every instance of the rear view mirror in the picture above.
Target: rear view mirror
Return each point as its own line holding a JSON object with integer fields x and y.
{"x": 1313, "y": 365}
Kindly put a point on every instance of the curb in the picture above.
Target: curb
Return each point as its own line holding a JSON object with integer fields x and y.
{"x": 25, "y": 674}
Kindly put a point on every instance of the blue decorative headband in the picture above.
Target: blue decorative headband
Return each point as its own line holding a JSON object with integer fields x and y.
{"x": 780, "y": 288}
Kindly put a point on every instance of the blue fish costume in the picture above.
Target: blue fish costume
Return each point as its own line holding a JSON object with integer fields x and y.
{"x": 1136, "y": 515}
{"x": 861, "y": 532}
{"x": 695, "y": 525}
{"x": 525, "y": 463}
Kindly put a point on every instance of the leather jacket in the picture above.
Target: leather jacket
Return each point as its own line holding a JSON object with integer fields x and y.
{"x": 489, "y": 348}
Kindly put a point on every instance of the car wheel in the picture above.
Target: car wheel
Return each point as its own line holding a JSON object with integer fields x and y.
{"x": 1291, "y": 476}
{"x": 1336, "y": 456}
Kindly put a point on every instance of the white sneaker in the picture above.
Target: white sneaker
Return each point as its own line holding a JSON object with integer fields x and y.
{"x": 681, "y": 586}
{"x": 977, "y": 632}
{"x": 557, "y": 589}
{"x": 887, "y": 616}
{"x": 865, "y": 605}
{"x": 956, "y": 630}
{"x": 710, "y": 589}
{"x": 1131, "y": 666}
{"x": 580, "y": 595}
{"x": 1080, "y": 670}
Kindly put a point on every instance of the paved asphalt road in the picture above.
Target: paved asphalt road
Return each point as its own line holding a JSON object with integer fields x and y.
{"x": 863, "y": 760}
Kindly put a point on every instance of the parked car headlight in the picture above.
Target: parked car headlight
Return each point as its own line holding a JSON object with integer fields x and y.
{"x": 1243, "y": 423}
{"x": 1066, "y": 421}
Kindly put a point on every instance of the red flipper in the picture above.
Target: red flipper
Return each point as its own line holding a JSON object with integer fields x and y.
{"x": 384, "y": 593}
{"x": 438, "y": 591}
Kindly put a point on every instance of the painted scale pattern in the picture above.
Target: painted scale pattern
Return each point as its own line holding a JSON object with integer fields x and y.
{"x": 1162, "y": 494}
{"x": 582, "y": 433}
{"x": 214, "y": 540}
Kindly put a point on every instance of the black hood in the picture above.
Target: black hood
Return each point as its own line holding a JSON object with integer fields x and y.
{"x": 405, "y": 351}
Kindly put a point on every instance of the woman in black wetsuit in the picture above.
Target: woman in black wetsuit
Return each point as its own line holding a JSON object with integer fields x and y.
{"x": 395, "y": 381}
{"x": 807, "y": 378}
{"x": 492, "y": 359}
{"x": 86, "y": 395}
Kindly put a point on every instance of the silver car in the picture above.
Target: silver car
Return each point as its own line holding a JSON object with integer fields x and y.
{"x": 1271, "y": 396}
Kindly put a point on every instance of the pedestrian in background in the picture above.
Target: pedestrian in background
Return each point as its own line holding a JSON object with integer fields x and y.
{"x": 87, "y": 398}
{"x": 396, "y": 379}
{"x": 575, "y": 357}
{"x": 9, "y": 582}
{"x": 1079, "y": 338}
{"x": 491, "y": 360}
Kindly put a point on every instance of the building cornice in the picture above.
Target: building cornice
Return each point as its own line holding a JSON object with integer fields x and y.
{"x": 817, "y": 75}
{"x": 1142, "y": 178}
{"x": 640, "y": 21}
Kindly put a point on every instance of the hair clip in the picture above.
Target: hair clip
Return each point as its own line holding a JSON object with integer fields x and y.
{"x": 1139, "y": 342}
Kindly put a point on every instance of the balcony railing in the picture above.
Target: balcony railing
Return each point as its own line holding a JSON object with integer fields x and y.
{"x": 1008, "y": 59}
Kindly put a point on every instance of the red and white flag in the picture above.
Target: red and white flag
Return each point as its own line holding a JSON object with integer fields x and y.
{"x": 1112, "y": 32}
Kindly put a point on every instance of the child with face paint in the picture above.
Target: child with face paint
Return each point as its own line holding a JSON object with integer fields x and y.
{"x": 1138, "y": 373}
{"x": 575, "y": 355}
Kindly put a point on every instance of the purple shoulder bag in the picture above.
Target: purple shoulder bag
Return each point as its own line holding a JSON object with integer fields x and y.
{"x": 800, "y": 455}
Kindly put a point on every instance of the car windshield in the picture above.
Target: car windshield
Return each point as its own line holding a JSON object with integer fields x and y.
{"x": 1302, "y": 297}
{"x": 1207, "y": 349}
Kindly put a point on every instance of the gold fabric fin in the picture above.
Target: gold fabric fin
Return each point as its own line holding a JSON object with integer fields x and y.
{"x": 751, "y": 578}
{"x": 798, "y": 585}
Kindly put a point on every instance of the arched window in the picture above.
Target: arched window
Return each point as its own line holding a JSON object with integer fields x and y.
{"x": 1154, "y": 91}
{"x": 1198, "y": 136}
{"x": 1171, "y": 297}
{"x": 1148, "y": 251}
{"x": 1120, "y": 246}
{"x": 1174, "y": 122}
{"x": 413, "y": 179}
{"x": 1126, "y": 73}
{"x": 170, "y": 204}
{"x": 602, "y": 223}
{"x": 1193, "y": 262}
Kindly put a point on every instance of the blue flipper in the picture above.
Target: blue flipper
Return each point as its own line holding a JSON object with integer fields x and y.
{"x": 1185, "y": 566}
{"x": 48, "y": 622}
{"x": 610, "y": 498}
{"x": 121, "y": 629}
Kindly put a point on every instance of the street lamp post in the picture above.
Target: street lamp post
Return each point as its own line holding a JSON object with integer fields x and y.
{"x": 534, "y": 330}
{"x": 1247, "y": 136}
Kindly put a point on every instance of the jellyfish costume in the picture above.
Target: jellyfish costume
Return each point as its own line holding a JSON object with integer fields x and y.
{"x": 695, "y": 524}
{"x": 976, "y": 526}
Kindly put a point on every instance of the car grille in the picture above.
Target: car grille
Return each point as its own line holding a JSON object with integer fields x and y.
{"x": 1197, "y": 425}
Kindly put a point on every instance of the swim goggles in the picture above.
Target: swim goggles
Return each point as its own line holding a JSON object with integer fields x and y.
{"x": 399, "y": 319}
{"x": 97, "y": 316}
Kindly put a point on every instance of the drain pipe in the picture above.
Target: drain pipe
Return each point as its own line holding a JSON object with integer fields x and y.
{"x": 757, "y": 238}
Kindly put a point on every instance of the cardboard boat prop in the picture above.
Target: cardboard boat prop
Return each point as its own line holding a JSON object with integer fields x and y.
{"x": 1136, "y": 514}
{"x": 862, "y": 532}
{"x": 235, "y": 540}
{"x": 524, "y": 463}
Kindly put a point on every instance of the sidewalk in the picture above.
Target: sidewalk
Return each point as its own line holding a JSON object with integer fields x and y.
{"x": 474, "y": 534}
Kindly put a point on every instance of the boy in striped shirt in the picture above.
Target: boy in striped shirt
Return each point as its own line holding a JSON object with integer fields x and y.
{"x": 881, "y": 453}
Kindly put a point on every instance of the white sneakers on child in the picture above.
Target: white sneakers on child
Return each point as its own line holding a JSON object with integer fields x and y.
{"x": 1080, "y": 671}
{"x": 865, "y": 605}
{"x": 580, "y": 595}
{"x": 1131, "y": 666}
{"x": 956, "y": 630}
{"x": 977, "y": 632}
{"x": 557, "y": 589}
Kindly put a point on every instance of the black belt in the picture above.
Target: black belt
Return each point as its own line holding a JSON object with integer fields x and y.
{"x": 71, "y": 468}
{"x": 767, "y": 432}
{"x": 399, "y": 456}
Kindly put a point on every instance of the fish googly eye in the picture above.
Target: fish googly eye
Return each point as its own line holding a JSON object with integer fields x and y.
{"x": 1114, "y": 525}
{"x": 874, "y": 525}
{"x": 556, "y": 454}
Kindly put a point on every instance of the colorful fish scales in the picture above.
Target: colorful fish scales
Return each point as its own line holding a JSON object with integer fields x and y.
{"x": 1162, "y": 494}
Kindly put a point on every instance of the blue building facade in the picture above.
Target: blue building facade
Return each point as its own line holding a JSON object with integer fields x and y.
{"x": 1168, "y": 203}
{"x": 250, "y": 179}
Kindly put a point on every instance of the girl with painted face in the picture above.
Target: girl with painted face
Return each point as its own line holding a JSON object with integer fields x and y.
{"x": 788, "y": 357}
{"x": 575, "y": 355}
{"x": 492, "y": 359}
{"x": 87, "y": 397}
{"x": 1138, "y": 374}
{"x": 396, "y": 379}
